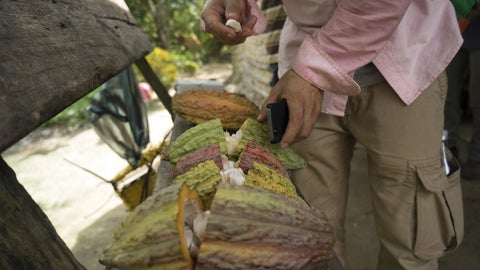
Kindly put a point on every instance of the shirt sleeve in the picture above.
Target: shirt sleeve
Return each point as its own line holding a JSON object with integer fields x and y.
{"x": 353, "y": 36}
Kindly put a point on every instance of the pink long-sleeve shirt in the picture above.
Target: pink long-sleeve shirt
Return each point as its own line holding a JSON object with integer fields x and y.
{"x": 409, "y": 41}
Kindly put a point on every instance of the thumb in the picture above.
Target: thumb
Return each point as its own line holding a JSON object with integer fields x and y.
{"x": 263, "y": 111}
{"x": 235, "y": 10}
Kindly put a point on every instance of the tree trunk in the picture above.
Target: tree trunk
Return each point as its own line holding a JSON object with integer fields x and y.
{"x": 55, "y": 52}
{"x": 28, "y": 238}
{"x": 161, "y": 9}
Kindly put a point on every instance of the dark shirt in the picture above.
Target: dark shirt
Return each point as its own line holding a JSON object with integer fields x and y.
{"x": 368, "y": 75}
{"x": 471, "y": 35}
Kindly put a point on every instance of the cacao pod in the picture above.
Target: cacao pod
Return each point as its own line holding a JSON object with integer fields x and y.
{"x": 255, "y": 152}
{"x": 263, "y": 224}
{"x": 200, "y": 105}
{"x": 264, "y": 177}
{"x": 256, "y": 229}
{"x": 204, "y": 178}
{"x": 253, "y": 130}
{"x": 197, "y": 137}
{"x": 153, "y": 235}
{"x": 211, "y": 152}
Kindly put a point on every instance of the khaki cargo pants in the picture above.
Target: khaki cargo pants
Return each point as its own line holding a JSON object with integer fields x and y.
{"x": 418, "y": 210}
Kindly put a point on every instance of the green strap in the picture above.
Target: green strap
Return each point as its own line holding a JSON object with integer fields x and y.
{"x": 464, "y": 7}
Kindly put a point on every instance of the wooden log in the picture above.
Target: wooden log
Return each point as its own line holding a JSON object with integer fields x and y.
{"x": 255, "y": 229}
{"x": 55, "y": 52}
{"x": 28, "y": 238}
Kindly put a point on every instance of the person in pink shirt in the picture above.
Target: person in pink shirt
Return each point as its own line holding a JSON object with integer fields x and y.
{"x": 367, "y": 72}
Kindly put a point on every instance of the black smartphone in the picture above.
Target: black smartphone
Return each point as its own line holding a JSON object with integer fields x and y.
{"x": 277, "y": 119}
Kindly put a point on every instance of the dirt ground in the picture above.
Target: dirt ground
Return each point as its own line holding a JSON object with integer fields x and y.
{"x": 85, "y": 211}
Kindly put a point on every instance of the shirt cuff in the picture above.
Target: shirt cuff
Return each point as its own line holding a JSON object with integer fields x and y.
{"x": 261, "y": 23}
{"x": 313, "y": 64}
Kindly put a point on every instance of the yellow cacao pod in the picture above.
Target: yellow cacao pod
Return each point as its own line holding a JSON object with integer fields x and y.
{"x": 200, "y": 105}
{"x": 204, "y": 178}
{"x": 264, "y": 177}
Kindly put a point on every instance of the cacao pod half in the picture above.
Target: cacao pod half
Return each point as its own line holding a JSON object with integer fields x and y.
{"x": 255, "y": 131}
{"x": 204, "y": 178}
{"x": 264, "y": 177}
{"x": 197, "y": 137}
{"x": 256, "y": 229}
{"x": 153, "y": 235}
{"x": 255, "y": 152}
{"x": 211, "y": 152}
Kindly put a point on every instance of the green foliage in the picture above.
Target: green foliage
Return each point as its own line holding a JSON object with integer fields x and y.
{"x": 74, "y": 115}
{"x": 185, "y": 63}
{"x": 163, "y": 66}
{"x": 145, "y": 19}
{"x": 180, "y": 20}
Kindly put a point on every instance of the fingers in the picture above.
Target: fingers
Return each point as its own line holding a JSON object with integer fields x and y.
{"x": 217, "y": 12}
{"x": 308, "y": 116}
{"x": 295, "y": 124}
{"x": 272, "y": 97}
{"x": 304, "y": 105}
{"x": 235, "y": 10}
{"x": 248, "y": 25}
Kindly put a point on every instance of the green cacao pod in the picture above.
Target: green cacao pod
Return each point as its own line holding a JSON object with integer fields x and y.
{"x": 253, "y": 130}
{"x": 204, "y": 178}
{"x": 197, "y": 137}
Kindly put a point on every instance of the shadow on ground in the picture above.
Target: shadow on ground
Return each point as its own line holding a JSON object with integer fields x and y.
{"x": 93, "y": 239}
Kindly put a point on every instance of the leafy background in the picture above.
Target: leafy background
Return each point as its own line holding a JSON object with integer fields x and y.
{"x": 179, "y": 46}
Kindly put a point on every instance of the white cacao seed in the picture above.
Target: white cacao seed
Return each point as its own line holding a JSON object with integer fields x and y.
{"x": 200, "y": 224}
{"x": 234, "y": 24}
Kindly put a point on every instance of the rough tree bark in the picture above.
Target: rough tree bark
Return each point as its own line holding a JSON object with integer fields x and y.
{"x": 28, "y": 239}
{"x": 54, "y": 52}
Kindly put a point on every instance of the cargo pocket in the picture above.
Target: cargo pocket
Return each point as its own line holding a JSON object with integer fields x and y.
{"x": 439, "y": 211}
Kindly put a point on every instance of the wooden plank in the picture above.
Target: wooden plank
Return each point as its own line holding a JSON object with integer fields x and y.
{"x": 157, "y": 85}
{"x": 54, "y": 52}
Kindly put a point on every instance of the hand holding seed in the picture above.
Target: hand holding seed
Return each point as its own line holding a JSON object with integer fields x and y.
{"x": 234, "y": 24}
{"x": 229, "y": 21}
